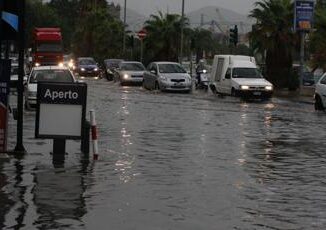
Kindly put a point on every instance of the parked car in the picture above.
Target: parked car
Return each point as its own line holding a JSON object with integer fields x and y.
{"x": 167, "y": 76}
{"x": 130, "y": 72}
{"x": 308, "y": 76}
{"x": 110, "y": 65}
{"x": 44, "y": 73}
{"x": 87, "y": 67}
{"x": 320, "y": 93}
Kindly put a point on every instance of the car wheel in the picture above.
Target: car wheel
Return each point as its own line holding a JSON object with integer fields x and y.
{"x": 27, "y": 106}
{"x": 233, "y": 94}
{"x": 318, "y": 103}
{"x": 157, "y": 86}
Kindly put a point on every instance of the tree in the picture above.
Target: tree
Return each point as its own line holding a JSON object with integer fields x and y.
{"x": 97, "y": 33}
{"x": 272, "y": 35}
{"x": 317, "y": 39}
{"x": 38, "y": 15}
{"x": 67, "y": 12}
{"x": 163, "y": 39}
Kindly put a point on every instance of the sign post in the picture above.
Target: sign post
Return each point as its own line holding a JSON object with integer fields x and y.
{"x": 141, "y": 35}
{"x": 60, "y": 114}
{"x": 303, "y": 20}
{"x": 4, "y": 105}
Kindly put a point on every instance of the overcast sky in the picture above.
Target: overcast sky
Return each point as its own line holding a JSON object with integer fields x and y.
{"x": 148, "y": 7}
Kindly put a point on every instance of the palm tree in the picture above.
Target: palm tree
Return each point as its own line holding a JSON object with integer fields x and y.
{"x": 163, "y": 40}
{"x": 317, "y": 40}
{"x": 272, "y": 36}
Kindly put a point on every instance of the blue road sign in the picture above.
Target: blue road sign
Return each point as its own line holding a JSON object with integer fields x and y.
{"x": 303, "y": 15}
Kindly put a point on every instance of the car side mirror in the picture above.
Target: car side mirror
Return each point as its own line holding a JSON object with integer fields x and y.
{"x": 153, "y": 71}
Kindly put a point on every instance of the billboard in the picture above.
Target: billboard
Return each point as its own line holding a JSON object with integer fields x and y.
{"x": 4, "y": 92}
{"x": 303, "y": 15}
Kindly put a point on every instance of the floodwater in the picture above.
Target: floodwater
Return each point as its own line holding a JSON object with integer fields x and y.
{"x": 174, "y": 162}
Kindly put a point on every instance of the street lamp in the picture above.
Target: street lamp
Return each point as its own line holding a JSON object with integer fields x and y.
{"x": 124, "y": 27}
{"x": 182, "y": 25}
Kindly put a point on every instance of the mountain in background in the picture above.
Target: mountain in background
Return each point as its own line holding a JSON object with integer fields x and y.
{"x": 217, "y": 18}
{"x": 211, "y": 17}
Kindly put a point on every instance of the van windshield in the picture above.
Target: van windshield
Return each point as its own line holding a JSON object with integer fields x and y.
{"x": 246, "y": 73}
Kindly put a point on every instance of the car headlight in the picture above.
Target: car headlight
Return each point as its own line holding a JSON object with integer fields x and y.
{"x": 37, "y": 64}
{"x": 163, "y": 78}
{"x": 95, "y": 69}
{"x": 269, "y": 87}
{"x": 244, "y": 87}
{"x": 204, "y": 71}
{"x": 70, "y": 65}
{"x": 60, "y": 64}
{"x": 125, "y": 76}
{"x": 82, "y": 69}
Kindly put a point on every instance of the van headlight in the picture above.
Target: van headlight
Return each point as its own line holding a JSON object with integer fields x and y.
{"x": 269, "y": 87}
{"x": 244, "y": 87}
{"x": 125, "y": 76}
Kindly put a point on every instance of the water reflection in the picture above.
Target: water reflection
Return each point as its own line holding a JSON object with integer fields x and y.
{"x": 58, "y": 196}
{"x": 5, "y": 202}
{"x": 42, "y": 198}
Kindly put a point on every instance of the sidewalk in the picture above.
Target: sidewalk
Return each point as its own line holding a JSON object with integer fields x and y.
{"x": 305, "y": 96}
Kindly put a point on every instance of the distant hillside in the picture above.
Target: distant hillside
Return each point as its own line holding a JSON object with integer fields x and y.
{"x": 224, "y": 17}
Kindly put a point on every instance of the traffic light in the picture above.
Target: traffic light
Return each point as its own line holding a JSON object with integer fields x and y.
{"x": 234, "y": 36}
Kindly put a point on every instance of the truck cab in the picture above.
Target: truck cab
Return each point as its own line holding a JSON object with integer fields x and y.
{"x": 238, "y": 76}
{"x": 47, "y": 47}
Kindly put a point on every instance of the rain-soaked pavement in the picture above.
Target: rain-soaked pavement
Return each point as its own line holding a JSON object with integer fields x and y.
{"x": 174, "y": 161}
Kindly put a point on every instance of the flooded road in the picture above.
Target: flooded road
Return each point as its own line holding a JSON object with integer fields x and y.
{"x": 174, "y": 161}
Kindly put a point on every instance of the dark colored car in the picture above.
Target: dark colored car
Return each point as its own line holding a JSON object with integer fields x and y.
{"x": 308, "y": 76}
{"x": 110, "y": 65}
{"x": 87, "y": 67}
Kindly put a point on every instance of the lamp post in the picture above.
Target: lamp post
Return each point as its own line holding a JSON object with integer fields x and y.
{"x": 124, "y": 27}
{"x": 182, "y": 27}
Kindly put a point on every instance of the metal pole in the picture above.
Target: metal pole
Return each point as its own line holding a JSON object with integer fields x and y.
{"x": 141, "y": 50}
{"x": 124, "y": 26}
{"x": 20, "y": 87}
{"x": 302, "y": 58}
{"x": 182, "y": 27}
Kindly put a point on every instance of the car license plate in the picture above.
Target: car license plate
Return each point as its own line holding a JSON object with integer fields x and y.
{"x": 256, "y": 93}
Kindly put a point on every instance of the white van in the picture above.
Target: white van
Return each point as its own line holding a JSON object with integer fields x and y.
{"x": 238, "y": 76}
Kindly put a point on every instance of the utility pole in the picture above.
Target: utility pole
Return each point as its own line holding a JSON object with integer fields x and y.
{"x": 302, "y": 46}
{"x": 124, "y": 27}
{"x": 182, "y": 27}
{"x": 20, "y": 88}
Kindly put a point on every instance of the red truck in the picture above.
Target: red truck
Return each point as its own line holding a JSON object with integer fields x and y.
{"x": 47, "y": 46}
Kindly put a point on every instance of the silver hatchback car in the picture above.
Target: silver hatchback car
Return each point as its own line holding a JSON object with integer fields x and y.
{"x": 167, "y": 76}
{"x": 130, "y": 72}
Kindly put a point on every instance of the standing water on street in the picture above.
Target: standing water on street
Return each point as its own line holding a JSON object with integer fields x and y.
{"x": 174, "y": 161}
